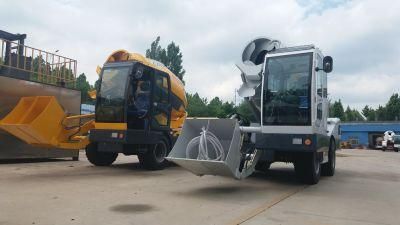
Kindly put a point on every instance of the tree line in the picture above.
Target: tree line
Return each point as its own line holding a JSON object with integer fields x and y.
{"x": 388, "y": 112}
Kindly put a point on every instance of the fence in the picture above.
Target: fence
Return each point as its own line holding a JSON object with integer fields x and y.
{"x": 24, "y": 62}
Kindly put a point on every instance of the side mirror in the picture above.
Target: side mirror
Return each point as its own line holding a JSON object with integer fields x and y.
{"x": 328, "y": 64}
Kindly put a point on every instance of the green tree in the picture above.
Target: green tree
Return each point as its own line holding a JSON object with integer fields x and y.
{"x": 174, "y": 60}
{"x": 369, "y": 113}
{"x": 380, "y": 113}
{"x": 393, "y": 107}
{"x": 337, "y": 110}
{"x": 228, "y": 108}
{"x": 245, "y": 110}
{"x": 389, "y": 112}
{"x": 170, "y": 57}
{"x": 214, "y": 108}
{"x": 197, "y": 107}
{"x": 366, "y": 111}
{"x": 349, "y": 114}
{"x": 155, "y": 51}
{"x": 83, "y": 85}
{"x": 352, "y": 115}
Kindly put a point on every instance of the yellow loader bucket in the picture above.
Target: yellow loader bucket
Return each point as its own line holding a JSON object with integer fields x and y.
{"x": 35, "y": 120}
{"x": 41, "y": 121}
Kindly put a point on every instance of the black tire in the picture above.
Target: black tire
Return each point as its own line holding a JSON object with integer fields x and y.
{"x": 154, "y": 158}
{"x": 308, "y": 168}
{"x": 396, "y": 149}
{"x": 263, "y": 166}
{"x": 99, "y": 158}
{"x": 328, "y": 169}
{"x": 383, "y": 149}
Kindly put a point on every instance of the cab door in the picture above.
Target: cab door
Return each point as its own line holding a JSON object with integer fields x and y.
{"x": 321, "y": 105}
{"x": 321, "y": 100}
{"x": 161, "y": 112}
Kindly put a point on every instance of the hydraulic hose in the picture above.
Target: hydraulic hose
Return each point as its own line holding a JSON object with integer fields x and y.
{"x": 200, "y": 143}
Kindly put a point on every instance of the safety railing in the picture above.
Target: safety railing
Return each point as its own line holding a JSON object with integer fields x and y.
{"x": 24, "y": 62}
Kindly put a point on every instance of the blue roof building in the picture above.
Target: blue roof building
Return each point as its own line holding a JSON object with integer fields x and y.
{"x": 365, "y": 134}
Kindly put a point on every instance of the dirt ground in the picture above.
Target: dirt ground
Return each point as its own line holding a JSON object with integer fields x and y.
{"x": 364, "y": 190}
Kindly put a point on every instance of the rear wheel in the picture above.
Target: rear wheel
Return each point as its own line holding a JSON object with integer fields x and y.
{"x": 99, "y": 158}
{"x": 308, "y": 168}
{"x": 154, "y": 158}
{"x": 328, "y": 169}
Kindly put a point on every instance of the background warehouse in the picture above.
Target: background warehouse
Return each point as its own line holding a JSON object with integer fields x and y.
{"x": 365, "y": 134}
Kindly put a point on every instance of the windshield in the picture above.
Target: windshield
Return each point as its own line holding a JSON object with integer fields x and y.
{"x": 111, "y": 98}
{"x": 287, "y": 90}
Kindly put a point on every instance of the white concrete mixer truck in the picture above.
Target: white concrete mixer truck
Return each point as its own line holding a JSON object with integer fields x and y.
{"x": 390, "y": 141}
{"x": 287, "y": 90}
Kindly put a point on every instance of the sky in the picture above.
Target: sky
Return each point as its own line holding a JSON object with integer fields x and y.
{"x": 362, "y": 36}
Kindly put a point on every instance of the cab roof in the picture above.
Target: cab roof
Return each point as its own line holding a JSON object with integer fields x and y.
{"x": 125, "y": 56}
{"x": 292, "y": 49}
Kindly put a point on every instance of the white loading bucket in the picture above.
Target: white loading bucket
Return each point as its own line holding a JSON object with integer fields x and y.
{"x": 227, "y": 132}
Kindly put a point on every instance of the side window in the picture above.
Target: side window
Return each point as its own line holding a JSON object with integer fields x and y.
{"x": 161, "y": 113}
{"x": 161, "y": 89}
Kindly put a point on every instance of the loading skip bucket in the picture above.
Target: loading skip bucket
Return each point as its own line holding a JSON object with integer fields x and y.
{"x": 227, "y": 132}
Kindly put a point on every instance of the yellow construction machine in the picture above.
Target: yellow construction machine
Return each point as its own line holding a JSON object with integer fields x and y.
{"x": 140, "y": 110}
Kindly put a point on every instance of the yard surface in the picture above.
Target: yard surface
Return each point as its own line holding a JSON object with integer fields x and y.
{"x": 364, "y": 190}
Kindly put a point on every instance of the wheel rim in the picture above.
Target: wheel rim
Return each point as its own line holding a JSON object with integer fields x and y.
{"x": 160, "y": 152}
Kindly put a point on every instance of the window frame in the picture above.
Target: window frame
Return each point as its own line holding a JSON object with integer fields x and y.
{"x": 309, "y": 87}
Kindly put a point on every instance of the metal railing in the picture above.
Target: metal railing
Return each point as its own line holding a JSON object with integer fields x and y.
{"x": 24, "y": 62}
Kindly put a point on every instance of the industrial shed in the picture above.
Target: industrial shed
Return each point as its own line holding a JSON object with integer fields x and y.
{"x": 365, "y": 134}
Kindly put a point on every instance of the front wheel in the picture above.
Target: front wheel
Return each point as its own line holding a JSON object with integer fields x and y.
{"x": 328, "y": 169}
{"x": 99, "y": 158}
{"x": 154, "y": 158}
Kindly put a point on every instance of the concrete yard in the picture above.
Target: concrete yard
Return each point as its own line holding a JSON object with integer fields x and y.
{"x": 365, "y": 190}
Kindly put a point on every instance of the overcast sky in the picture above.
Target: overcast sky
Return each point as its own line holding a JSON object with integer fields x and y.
{"x": 362, "y": 36}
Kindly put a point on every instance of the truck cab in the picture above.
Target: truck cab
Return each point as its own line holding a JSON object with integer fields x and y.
{"x": 134, "y": 95}
{"x": 137, "y": 102}
{"x": 294, "y": 111}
